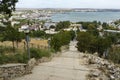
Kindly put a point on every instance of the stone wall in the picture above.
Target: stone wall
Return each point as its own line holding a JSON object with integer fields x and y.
{"x": 10, "y": 71}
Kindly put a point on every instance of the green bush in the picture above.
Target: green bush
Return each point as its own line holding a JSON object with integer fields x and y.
{"x": 61, "y": 39}
{"x": 84, "y": 40}
{"x": 114, "y": 54}
{"x": 73, "y": 35}
{"x": 56, "y": 42}
{"x": 62, "y": 24}
{"x": 38, "y": 34}
{"x": 17, "y": 58}
{"x": 11, "y": 58}
{"x": 2, "y": 59}
{"x": 4, "y": 49}
{"x": 23, "y": 57}
{"x": 52, "y": 50}
{"x": 39, "y": 53}
{"x": 87, "y": 25}
{"x": 90, "y": 43}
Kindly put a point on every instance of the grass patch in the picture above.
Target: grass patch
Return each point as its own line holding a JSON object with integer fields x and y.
{"x": 17, "y": 58}
{"x": 22, "y": 56}
{"x": 114, "y": 55}
{"x": 5, "y": 49}
{"x": 39, "y": 53}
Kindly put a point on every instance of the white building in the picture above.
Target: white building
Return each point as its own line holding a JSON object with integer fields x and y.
{"x": 76, "y": 26}
{"x": 51, "y": 31}
{"x": 24, "y": 28}
{"x": 48, "y": 24}
{"x": 100, "y": 27}
{"x": 14, "y": 22}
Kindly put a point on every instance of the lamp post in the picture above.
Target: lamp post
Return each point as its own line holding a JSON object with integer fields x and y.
{"x": 49, "y": 39}
{"x": 27, "y": 42}
{"x": 26, "y": 30}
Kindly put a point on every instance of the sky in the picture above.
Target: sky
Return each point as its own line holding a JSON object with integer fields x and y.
{"x": 108, "y": 4}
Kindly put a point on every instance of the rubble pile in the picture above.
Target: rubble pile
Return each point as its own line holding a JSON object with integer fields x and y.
{"x": 111, "y": 70}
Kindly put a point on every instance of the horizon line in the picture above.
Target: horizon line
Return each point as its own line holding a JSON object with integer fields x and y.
{"x": 67, "y": 8}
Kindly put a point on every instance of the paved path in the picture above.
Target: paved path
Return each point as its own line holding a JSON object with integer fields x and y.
{"x": 68, "y": 66}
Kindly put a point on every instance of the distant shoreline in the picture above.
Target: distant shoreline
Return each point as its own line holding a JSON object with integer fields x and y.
{"x": 73, "y": 9}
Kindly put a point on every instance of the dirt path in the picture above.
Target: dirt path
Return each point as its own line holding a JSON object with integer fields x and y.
{"x": 68, "y": 66}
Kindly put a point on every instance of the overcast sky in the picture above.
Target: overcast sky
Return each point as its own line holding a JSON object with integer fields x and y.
{"x": 69, "y": 4}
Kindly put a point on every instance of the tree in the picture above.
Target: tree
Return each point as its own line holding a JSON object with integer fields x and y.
{"x": 114, "y": 54}
{"x": 114, "y": 38}
{"x": 99, "y": 23}
{"x": 62, "y": 25}
{"x": 60, "y": 39}
{"x": 38, "y": 34}
{"x": 102, "y": 45}
{"x": 105, "y": 25}
{"x": 56, "y": 42}
{"x": 88, "y": 25}
{"x": 65, "y": 37}
{"x": 90, "y": 43}
{"x": 11, "y": 34}
{"x": 73, "y": 35}
{"x": 2, "y": 29}
{"x": 92, "y": 29}
{"x": 83, "y": 39}
{"x": 7, "y": 6}
{"x": 52, "y": 26}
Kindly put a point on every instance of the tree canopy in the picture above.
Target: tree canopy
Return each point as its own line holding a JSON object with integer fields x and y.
{"x": 8, "y": 32}
{"x": 89, "y": 25}
{"x": 62, "y": 25}
{"x": 7, "y": 6}
{"x": 60, "y": 39}
{"x": 90, "y": 43}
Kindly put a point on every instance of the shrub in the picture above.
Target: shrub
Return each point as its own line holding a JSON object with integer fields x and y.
{"x": 72, "y": 33}
{"x": 86, "y": 42}
{"x": 39, "y": 53}
{"x": 56, "y": 42}
{"x": 21, "y": 58}
{"x": 90, "y": 43}
{"x": 38, "y": 34}
{"x": 4, "y": 49}
{"x": 62, "y": 24}
{"x": 17, "y": 58}
{"x": 2, "y": 59}
{"x": 60, "y": 39}
{"x": 114, "y": 54}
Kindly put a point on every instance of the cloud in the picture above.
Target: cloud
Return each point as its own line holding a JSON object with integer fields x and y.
{"x": 68, "y": 3}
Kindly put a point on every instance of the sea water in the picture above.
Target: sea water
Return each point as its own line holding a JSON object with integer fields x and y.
{"x": 86, "y": 16}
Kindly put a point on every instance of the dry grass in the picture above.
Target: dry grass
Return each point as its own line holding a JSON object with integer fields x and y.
{"x": 21, "y": 45}
{"x": 39, "y": 42}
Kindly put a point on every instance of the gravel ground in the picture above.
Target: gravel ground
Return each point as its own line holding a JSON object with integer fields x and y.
{"x": 68, "y": 66}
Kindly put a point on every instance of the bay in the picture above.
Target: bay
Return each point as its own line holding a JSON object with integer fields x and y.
{"x": 86, "y": 16}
